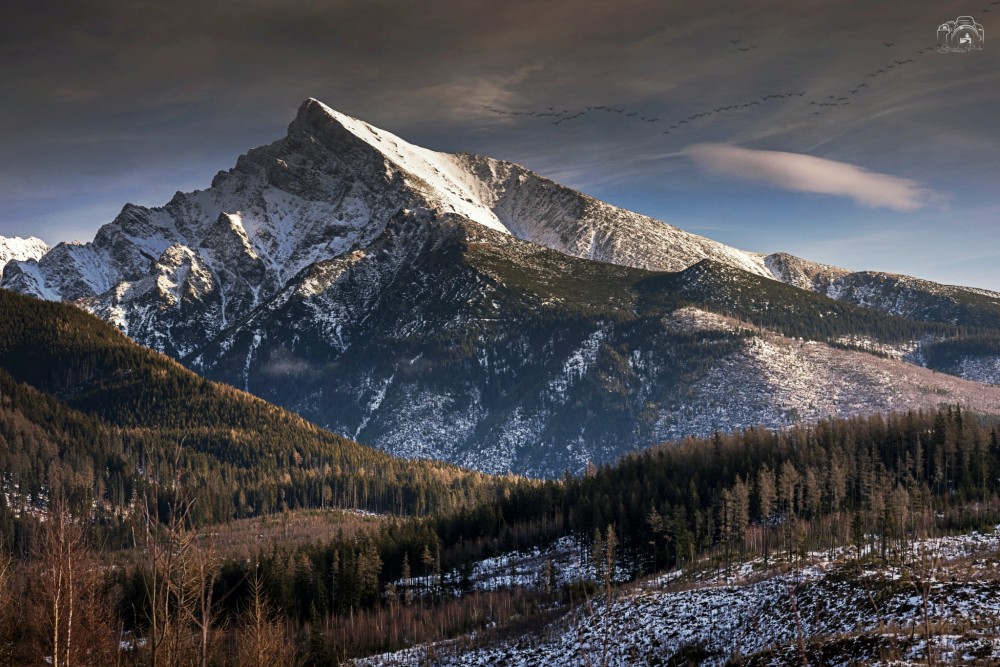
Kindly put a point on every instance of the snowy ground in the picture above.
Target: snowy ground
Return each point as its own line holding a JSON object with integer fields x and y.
{"x": 567, "y": 559}
{"x": 842, "y": 614}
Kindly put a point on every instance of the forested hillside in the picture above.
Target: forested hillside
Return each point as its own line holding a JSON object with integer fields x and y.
{"x": 88, "y": 416}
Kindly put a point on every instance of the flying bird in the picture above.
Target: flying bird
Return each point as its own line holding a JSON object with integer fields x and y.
{"x": 734, "y": 41}
{"x": 888, "y": 44}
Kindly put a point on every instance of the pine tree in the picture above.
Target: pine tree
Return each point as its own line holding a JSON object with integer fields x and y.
{"x": 407, "y": 581}
{"x": 655, "y": 523}
{"x": 597, "y": 554}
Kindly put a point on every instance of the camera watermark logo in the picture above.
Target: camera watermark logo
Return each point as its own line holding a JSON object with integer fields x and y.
{"x": 962, "y": 35}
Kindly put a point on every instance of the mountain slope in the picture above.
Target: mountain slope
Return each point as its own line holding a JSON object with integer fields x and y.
{"x": 333, "y": 183}
{"x": 447, "y": 339}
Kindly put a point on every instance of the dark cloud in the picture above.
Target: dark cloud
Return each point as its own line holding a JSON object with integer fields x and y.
{"x": 120, "y": 100}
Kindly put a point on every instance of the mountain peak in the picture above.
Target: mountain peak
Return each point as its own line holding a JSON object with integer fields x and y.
{"x": 316, "y": 117}
{"x": 441, "y": 177}
{"x": 314, "y": 113}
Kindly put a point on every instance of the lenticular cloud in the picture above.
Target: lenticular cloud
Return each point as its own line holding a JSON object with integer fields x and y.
{"x": 805, "y": 173}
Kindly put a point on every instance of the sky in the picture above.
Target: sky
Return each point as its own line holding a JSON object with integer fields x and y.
{"x": 774, "y": 144}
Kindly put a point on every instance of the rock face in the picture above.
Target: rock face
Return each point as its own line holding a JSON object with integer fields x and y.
{"x": 465, "y": 308}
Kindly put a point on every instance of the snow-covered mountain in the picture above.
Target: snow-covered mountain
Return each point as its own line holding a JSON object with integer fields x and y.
{"x": 461, "y": 307}
{"x": 330, "y": 186}
{"x": 17, "y": 249}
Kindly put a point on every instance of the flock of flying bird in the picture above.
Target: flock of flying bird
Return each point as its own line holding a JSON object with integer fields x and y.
{"x": 820, "y": 104}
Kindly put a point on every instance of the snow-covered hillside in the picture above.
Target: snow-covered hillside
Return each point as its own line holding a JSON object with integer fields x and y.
{"x": 842, "y": 614}
{"x": 16, "y": 249}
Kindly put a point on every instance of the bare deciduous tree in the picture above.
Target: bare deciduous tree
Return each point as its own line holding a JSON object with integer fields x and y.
{"x": 76, "y": 613}
{"x": 263, "y": 640}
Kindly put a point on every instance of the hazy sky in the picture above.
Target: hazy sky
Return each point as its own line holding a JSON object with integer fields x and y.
{"x": 116, "y": 101}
